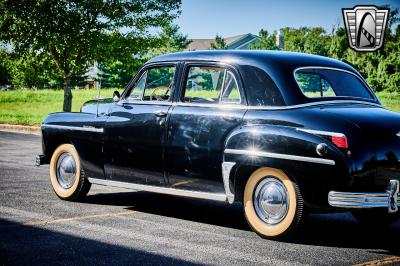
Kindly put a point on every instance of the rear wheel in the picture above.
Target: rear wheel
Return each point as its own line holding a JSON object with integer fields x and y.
{"x": 273, "y": 204}
{"x": 66, "y": 175}
{"x": 374, "y": 217}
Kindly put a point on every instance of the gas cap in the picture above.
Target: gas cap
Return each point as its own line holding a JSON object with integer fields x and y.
{"x": 322, "y": 149}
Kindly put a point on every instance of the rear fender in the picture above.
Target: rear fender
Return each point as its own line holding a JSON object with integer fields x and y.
{"x": 286, "y": 148}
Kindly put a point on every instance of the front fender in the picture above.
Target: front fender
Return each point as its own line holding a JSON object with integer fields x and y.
{"x": 83, "y": 130}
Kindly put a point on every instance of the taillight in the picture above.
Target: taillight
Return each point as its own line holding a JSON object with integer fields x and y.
{"x": 340, "y": 141}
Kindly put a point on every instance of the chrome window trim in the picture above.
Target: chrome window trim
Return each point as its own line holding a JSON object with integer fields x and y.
{"x": 222, "y": 86}
{"x": 145, "y": 102}
{"x": 323, "y": 133}
{"x": 82, "y": 128}
{"x": 211, "y": 105}
{"x": 337, "y": 69}
{"x": 223, "y": 89}
{"x": 145, "y": 81}
{"x": 161, "y": 190}
{"x": 280, "y": 156}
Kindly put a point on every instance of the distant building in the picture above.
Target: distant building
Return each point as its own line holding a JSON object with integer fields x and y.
{"x": 242, "y": 41}
{"x": 92, "y": 77}
{"x": 279, "y": 40}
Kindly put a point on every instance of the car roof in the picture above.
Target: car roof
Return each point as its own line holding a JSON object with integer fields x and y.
{"x": 279, "y": 65}
{"x": 255, "y": 57}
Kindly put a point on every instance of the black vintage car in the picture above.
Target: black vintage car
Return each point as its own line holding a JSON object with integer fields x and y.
{"x": 281, "y": 132}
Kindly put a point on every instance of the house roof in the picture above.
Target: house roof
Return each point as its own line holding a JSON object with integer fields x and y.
{"x": 204, "y": 44}
{"x": 199, "y": 44}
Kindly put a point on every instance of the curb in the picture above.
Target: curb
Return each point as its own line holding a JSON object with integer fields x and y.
{"x": 34, "y": 130}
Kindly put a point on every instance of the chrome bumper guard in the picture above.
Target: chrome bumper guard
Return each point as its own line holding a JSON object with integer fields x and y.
{"x": 389, "y": 199}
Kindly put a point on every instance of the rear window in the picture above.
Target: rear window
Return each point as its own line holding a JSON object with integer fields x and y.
{"x": 321, "y": 83}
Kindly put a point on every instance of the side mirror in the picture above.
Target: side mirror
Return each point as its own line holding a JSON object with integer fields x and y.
{"x": 116, "y": 96}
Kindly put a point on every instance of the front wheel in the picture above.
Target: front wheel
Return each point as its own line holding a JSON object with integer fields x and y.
{"x": 66, "y": 175}
{"x": 273, "y": 204}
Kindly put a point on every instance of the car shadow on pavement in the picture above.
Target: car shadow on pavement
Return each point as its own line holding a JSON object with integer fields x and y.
{"x": 29, "y": 245}
{"x": 330, "y": 230}
{"x": 342, "y": 230}
{"x": 196, "y": 210}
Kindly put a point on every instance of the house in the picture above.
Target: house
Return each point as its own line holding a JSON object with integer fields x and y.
{"x": 242, "y": 41}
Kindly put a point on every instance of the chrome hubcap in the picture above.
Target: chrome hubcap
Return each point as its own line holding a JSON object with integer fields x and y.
{"x": 271, "y": 200}
{"x": 66, "y": 170}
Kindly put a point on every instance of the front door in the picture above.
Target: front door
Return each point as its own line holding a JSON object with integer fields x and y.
{"x": 136, "y": 127}
{"x": 210, "y": 106}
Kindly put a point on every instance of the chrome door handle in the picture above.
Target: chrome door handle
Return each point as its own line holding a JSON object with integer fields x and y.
{"x": 160, "y": 114}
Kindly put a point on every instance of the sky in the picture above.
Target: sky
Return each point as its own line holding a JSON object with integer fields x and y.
{"x": 203, "y": 19}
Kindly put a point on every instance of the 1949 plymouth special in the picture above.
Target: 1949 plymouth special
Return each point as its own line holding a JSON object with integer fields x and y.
{"x": 280, "y": 132}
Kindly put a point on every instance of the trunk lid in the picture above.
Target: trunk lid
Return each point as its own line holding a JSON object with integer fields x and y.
{"x": 372, "y": 120}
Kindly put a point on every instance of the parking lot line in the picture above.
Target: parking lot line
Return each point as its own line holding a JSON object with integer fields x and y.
{"x": 77, "y": 218}
{"x": 384, "y": 261}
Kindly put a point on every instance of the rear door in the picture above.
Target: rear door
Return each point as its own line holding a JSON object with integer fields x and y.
{"x": 210, "y": 104}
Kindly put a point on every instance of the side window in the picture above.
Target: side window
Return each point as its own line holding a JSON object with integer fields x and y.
{"x": 155, "y": 84}
{"x": 159, "y": 83}
{"x": 205, "y": 84}
{"x": 137, "y": 92}
{"x": 314, "y": 85}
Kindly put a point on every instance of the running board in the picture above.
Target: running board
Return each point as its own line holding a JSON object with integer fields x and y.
{"x": 161, "y": 190}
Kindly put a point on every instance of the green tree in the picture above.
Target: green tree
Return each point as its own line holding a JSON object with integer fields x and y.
{"x": 338, "y": 44}
{"x": 266, "y": 41}
{"x": 169, "y": 40}
{"x": 307, "y": 40}
{"x": 218, "y": 44}
{"x": 119, "y": 72}
{"x": 75, "y": 32}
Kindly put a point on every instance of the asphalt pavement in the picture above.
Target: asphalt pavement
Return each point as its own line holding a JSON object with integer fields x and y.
{"x": 117, "y": 226}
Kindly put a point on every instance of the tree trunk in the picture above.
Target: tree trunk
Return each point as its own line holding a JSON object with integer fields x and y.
{"x": 67, "y": 94}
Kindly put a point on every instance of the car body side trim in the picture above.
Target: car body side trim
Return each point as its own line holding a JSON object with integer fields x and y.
{"x": 161, "y": 190}
{"x": 323, "y": 133}
{"x": 226, "y": 173}
{"x": 78, "y": 128}
{"x": 280, "y": 156}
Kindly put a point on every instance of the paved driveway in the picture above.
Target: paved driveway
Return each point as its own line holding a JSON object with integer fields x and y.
{"x": 117, "y": 226}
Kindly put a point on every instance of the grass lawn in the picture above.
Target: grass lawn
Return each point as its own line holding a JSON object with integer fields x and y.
{"x": 29, "y": 107}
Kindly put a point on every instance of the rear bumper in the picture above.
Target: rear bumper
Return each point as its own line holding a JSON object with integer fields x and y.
{"x": 389, "y": 199}
{"x": 40, "y": 159}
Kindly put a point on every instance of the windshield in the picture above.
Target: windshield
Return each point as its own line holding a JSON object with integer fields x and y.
{"x": 323, "y": 83}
